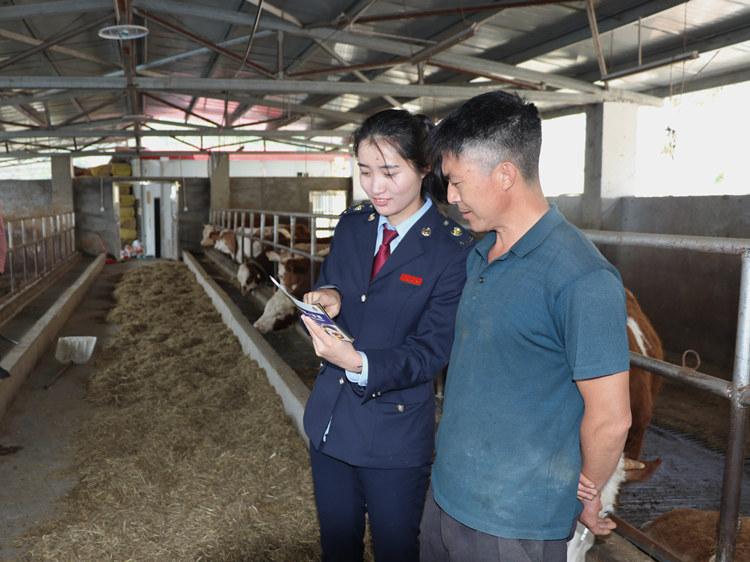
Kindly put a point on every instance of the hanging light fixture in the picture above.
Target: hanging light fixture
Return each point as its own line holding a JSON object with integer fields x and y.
{"x": 123, "y": 32}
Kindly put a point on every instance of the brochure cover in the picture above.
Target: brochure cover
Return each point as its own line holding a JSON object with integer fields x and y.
{"x": 316, "y": 313}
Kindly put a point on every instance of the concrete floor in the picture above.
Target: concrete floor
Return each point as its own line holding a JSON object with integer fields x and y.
{"x": 44, "y": 422}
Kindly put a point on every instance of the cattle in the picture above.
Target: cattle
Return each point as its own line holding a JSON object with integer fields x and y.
{"x": 691, "y": 534}
{"x": 294, "y": 274}
{"x": 583, "y": 539}
{"x": 210, "y": 235}
{"x": 644, "y": 387}
{"x": 252, "y": 272}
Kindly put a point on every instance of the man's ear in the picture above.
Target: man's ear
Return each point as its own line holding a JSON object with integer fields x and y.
{"x": 504, "y": 175}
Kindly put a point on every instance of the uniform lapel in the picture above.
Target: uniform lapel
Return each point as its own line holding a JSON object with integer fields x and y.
{"x": 412, "y": 246}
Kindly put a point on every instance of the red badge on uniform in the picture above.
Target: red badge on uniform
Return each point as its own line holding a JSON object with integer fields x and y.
{"x": 411, "y": 279}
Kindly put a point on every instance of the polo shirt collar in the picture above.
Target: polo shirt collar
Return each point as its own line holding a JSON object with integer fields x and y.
{"x": 529, "y": 241}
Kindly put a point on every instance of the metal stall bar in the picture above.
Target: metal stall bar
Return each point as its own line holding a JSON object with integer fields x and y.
{"x": 737, "y": 392}
{"x": 11, "y": 257}
{"x": 22, "y": 249}
{"x": 709, "y": 244}
{"x": 35, "y": 246}
{"x": 45, "y": 246}
{"x": 731, "y": 490}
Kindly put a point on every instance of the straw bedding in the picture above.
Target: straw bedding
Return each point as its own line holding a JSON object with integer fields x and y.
{"x": 188, "y": 454}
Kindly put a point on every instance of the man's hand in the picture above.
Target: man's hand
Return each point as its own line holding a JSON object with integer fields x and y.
{"x": 340, "y": 353}
{"x": 590, "y": 517}
{"x": 329, "y": 299}
{"x": 586, "y": 488}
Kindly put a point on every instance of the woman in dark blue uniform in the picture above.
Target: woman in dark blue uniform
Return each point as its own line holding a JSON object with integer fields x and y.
{"x": 392, "y": 280}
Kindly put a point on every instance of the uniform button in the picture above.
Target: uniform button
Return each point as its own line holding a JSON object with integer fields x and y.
{"x": 481, "y": 279}
{"x": 374, "y": 395}
{"x": 363, "y": 298}
{"x": 341, "y": 380}
{"x": 321, "y": 365}
{"x": 400, "y": 407}
{"x": 379, "y": 393}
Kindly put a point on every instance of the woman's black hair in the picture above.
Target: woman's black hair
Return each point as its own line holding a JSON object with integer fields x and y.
{"x": 408, "y": 134}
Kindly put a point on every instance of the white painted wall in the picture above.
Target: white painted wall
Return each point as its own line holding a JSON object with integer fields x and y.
{"x": 284, "y": 166}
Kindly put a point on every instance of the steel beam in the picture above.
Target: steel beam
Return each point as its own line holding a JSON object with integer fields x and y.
{"x": 87, "y": 112}
{"x": 205, "y": 42}
{"x": 75, "y": 53}
{"x": 709, "y": 38}
{"x": 389, "y": 46}
{"x": 12, "y": 13}
{"x": 25, "y": 154}
{"x": 52, "y": 41}
{"x": 184, "y": 110}
{"x": 281, "y": 14}
{"x": 302, "y": 109}
{"x": 462, "y": 10}
{"x": 31, "y": 113}
{"x": 575, "y": 28}
{"x": 69, "y": 132}
{"x": 176, "y": 84}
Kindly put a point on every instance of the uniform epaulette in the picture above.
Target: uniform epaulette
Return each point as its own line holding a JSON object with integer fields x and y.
{"x": 359, "y": 208}
{"x": 458, "y": 233}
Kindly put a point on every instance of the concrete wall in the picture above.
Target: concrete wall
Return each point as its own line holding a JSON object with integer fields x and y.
{"x": 690, "y": 297}
{"x": 97, "y": 230}
{"x": 27, "y": 198}
{"x": 191, "y": 222}
{"x": 280, "y": 194}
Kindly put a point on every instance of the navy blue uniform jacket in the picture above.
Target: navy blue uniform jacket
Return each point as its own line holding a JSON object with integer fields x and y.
{"x": 403, "y": 320}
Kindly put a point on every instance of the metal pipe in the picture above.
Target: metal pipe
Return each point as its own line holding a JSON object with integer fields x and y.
{"x": 671, "y": 241}
{"x": 369, "y": 89}
{"x": 11, "y": 257}
{"x": 23, "y": 251}
{"x": 45, "y": 246}
{"x": 496, "y": 7}
{"x": 733, "y": 467}
{"x": 651, "y": 65}
{"x": 645, "y": 543}
{"x": 712, "y": 384}
{"x": 35, "y": 245}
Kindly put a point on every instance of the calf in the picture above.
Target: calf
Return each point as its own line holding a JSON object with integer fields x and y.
{"x": 583, "y": 539}
{"x": 210, "y": 235}
{"x": 644, "y": 387}
{"x": 294, "y": 274}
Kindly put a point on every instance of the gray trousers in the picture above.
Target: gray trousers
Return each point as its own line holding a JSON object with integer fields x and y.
{"x": 443, "y": 539}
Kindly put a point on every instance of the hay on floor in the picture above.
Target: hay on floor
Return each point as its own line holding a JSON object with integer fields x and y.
{"x": 188, "y": 454}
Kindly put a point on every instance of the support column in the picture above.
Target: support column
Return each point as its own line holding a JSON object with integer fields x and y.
{"x": 62, "y": 184}
{"x": 220, "y": 181}
{"x": 610, "y": 158}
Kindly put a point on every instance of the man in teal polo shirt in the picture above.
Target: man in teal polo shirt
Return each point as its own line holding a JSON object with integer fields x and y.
{"x": 537, "y": 388}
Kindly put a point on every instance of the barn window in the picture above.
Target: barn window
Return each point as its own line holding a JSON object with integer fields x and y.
{"x": 328, "y": 202}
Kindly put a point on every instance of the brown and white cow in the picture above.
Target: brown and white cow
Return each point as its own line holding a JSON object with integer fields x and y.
{"x": 294, "y": 274}
{"x": 644, "y": 387}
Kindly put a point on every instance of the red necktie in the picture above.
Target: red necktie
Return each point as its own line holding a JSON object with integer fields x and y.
{"x": 383, "y": 252}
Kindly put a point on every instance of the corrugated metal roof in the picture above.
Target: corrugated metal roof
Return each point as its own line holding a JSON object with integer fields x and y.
{"x": 550, "y": 38}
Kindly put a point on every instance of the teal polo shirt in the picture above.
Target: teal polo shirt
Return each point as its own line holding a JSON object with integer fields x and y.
{"x": 547, "y": 313}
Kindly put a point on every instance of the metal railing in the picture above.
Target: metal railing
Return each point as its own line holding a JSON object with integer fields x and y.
{"x": 233, "y": 219}
{"x": 737, "y": 391}
{"x": 36, "y": 247}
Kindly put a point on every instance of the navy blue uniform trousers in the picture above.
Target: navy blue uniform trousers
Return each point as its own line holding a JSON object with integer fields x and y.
{"x": 340, "y": 491}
